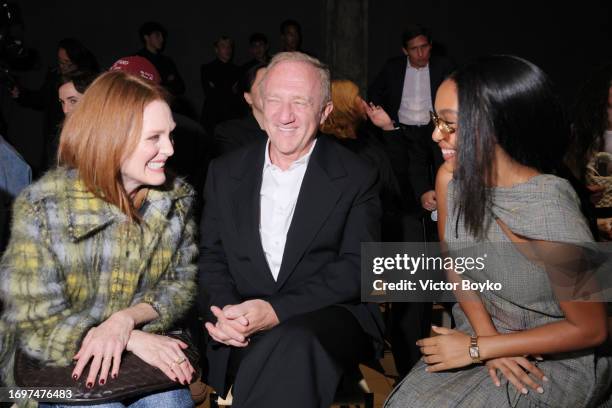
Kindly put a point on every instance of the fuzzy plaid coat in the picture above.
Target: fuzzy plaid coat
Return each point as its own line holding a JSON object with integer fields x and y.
{"x": 74, "y": 259}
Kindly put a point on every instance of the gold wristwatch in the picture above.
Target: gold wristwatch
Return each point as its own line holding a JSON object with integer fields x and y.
{"x": 474, "y": 350}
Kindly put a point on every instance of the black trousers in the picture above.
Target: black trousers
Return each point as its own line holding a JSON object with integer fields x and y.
{"x": 300, "y": 362}
{"x": 411, "y": 321}
{"x": 425, "y": 158}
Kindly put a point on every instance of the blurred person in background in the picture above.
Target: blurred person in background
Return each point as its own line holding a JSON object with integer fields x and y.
{"x": 72, "y": 56}
{"x": 259, "y": 50}
{"x": 153, "y": 37}
{"x": 590, "y": 153}
{"x": 232, "y": 134}
{"x": 72, "y": 88}
{"x": 220, "y": 86}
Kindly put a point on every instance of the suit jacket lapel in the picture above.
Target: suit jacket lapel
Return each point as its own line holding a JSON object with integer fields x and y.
{"x": 246, "y": 203}
{"x": 317, "y": 198}
{"x": 401, "y": 75}
{"x": 398, "y": 89}
{"x": 436, "y": 76}
{"x": 433, "y": 79}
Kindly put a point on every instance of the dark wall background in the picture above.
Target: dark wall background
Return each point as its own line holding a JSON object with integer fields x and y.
{"x": 566, "y": 41}
{"x": 110, "y": 30}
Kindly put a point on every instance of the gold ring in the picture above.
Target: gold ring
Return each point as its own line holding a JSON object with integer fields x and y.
{"x": 180, "y": 360}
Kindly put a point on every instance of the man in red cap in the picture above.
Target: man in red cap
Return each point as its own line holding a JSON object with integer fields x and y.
{"x": 139, "y": 66}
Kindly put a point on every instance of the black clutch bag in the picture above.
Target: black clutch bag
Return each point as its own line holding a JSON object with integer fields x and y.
{"x": 136, "y": 378}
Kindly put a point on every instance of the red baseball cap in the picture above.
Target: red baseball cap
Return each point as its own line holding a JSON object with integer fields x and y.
{"x": 137, "y": 65}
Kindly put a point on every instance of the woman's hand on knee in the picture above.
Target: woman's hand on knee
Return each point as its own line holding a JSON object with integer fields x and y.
{"x": 103, "y": 345}
{"x": 164, "y": 353}
{"x": 518, "y": 371}
{"x": 447, "y": 350}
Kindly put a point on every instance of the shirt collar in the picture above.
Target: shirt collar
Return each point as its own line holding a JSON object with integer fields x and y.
{"x": 302, "y": 160}
{"x": 415, "y": 68}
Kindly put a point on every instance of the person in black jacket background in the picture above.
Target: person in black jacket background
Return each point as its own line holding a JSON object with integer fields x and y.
{"x": 153, "y": 36}
{"x": 405, "y": 88}
{"x": 72, "y": 56}
{"x": 220, "y": 86}
{"x": 383, "y": 145}
{"x": 378, "y": 141}
{"x": 235, "y": 133}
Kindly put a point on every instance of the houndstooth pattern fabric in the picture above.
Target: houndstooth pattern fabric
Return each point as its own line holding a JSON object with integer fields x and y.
{"x": 544, "y": 208}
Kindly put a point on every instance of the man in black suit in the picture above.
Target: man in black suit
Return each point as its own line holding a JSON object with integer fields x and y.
{"x": 219, "y": 85}
{"x": 235, "y": 133}
{"x": 153, "y": 36}
{"x": 406, "y": 88}
{"x": 280, "y": 251}
{"x": 259, "y": 50}
{"x": 291, "y": 36}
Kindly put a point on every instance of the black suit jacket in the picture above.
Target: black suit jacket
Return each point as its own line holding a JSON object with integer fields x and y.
{"x": 387, "y": 88}
{"x": 338, "y": 207}
{"x": 424, "y": 156}
{"x": 170, "y": 77}
{"x": 235, "y": 133}
{"x": 221, "y": 99}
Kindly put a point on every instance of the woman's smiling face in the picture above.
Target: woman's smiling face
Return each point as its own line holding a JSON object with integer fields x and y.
{"x": 446, "y": 116}
{"x": 145, "y": 165}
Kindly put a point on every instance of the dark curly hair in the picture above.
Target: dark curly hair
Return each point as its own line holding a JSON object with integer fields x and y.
{"x": 589, "y": 119}
{"x": 80, "y": 79}
{"x": 79, "y": 55}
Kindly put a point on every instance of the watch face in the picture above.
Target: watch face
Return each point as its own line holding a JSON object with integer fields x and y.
{"x": 474, "y": 352}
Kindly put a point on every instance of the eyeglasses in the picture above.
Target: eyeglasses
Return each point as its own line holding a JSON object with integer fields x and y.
{"x": 442, "y": 125}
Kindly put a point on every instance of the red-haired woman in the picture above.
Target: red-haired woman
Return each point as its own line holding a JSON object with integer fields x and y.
{"x": 102, "y": 248}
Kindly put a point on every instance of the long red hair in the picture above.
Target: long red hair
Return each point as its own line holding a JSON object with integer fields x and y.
{"x": 103, "y": 130}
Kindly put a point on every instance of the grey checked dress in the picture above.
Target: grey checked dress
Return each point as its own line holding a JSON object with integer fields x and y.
{"x": 544, "y": 208}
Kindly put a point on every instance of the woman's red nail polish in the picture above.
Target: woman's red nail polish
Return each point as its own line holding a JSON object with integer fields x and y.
{"x": 74, "y": 376}
{"x": 102, "y": 381}
{"x": 114, "y": 376}
{"x": 89, "y": 385}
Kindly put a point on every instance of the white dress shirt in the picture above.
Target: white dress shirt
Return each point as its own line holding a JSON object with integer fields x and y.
{"x": 416, "y": 96}
{"x": 278, "y": 197}
{"x": 608, "y": 141}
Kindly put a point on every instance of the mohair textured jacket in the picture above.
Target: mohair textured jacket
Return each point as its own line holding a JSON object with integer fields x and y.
{"x": 74, "y": 259}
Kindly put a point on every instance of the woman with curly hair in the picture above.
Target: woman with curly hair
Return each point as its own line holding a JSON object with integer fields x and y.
{"x": 368, "y": 131}
{"x": 592, "y": 143}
